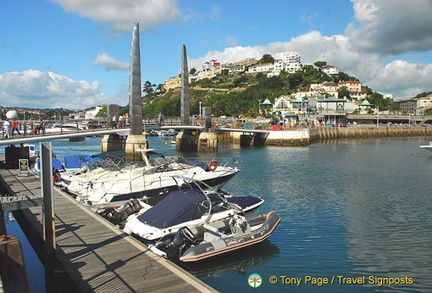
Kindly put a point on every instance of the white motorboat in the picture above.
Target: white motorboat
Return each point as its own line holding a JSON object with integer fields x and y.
{"x": 426, "y": 146}
{"x": 153, "y": 179}
{"x": 67, "y": 127}
{"x": 190, "y": 206}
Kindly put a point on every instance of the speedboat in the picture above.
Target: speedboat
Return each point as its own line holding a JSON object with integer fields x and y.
{"x": 67, "y": 127}
{"x": 152, "y": 179}
{"x": 200, "y": 242}
{"x": 426, "y": 146}
{"x": 190, "y": 206}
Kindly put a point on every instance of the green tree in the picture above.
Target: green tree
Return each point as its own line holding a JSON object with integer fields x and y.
{"x": 344, "y": 92}
{"x": 428, "y": 112}
{"x": 148, "y": 88}
{"x": 266, "y": 58}
{"x": 295, "y": 80}
{"x": 320, "y": 64}
{"x": 102, "y": 113}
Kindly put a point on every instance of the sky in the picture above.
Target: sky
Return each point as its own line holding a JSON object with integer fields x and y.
{"x": 75, "y": 54}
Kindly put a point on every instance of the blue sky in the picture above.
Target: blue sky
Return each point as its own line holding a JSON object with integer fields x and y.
{"x": 75, "y": 53}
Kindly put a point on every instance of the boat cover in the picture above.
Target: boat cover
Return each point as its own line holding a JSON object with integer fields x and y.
{"x": 176, "y": 208}
{"x": 57, "y": 165}
{"x": 244, "y": 201}
{"x": 73, "y": 162}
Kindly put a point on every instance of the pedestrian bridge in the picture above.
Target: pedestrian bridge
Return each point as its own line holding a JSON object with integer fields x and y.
{"x": 66, "y": 135}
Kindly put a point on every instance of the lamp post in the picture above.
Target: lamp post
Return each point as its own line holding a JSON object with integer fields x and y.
{"x": 200, "y": 110}
{"x": 377, "y": 116}
{"x": 259, "y": 107}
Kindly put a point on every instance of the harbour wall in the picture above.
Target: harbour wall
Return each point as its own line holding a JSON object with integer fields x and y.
{"x": 304, "y": 137}
{"x": 330, "y": 133}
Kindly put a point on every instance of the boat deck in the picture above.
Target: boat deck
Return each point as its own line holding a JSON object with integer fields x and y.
{"x": 97, "y": 256}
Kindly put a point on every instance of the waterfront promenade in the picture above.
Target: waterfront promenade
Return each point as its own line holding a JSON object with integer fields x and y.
{"x": 97, "y": 256}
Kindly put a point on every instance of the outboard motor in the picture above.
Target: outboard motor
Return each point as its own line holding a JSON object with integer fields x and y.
{"x": 183, "y": 239}
{"x": 238, "y": 225}
{"x": 131, "y": 207}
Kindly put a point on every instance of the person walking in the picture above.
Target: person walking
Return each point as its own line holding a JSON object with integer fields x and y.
{"x": 114, "y": 122}
{"x": 15, "y": 127}
{"x": 120, "y": 121}
{"x": 6, "y": 126}
{"x": 41, "y": 126}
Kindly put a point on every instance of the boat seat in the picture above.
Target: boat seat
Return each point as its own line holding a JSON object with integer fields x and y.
{"x": 211, "y": 228}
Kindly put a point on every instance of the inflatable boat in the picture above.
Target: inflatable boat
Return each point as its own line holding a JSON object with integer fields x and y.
{"x": 192, "y": 244}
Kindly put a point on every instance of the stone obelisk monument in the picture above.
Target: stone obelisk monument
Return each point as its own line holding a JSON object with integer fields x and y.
{"x": 135, "y": 140}
{"x": 185, "y": 108}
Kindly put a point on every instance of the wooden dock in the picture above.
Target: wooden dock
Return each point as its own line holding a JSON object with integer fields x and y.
{"x": 97, "y": 256}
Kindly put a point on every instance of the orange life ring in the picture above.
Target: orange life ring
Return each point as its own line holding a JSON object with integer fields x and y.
{"x": 212, "y": 165}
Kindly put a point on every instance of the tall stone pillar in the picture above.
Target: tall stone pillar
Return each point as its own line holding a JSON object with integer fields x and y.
{"x": 135, "y": 140}
{"x": 135, "y": 110}
{"x": 185, "y": 108}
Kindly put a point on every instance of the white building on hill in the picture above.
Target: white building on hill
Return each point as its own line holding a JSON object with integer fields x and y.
{"x": 90, "y": 114}
{"x": 288, "y": 61}
{"x": 331, "y": 70}
{"x": 263, "y": 67}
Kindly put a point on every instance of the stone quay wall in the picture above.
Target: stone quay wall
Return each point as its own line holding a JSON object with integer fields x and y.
{"x": 330, "y": 133}
{"x": 306, "y": 136}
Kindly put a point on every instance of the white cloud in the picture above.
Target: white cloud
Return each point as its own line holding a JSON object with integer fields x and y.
{"x": 231, "y": 54}
{"x": 230, "y": 40}
{"x": 33, "y": 88}
{"x": 391, "y": 26}
{"x": 109, "y": 63}
{"x": 120, "y": 15}
{"x": 214, "y": 13}
{"x": 403, "y": 77}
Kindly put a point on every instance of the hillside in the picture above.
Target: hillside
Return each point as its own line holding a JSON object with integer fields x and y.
{"x": 233, "y": 95}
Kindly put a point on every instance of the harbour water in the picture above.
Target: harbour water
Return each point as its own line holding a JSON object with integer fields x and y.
{"x": 355, "y": 211}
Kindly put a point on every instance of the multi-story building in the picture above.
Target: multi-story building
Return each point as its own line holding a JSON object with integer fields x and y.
{"x": 326, "y": 87}
{"x": 408, "y": 105}
{"x": 416, "y": 105}
{"x": 288, "y": 61}
{"x": 288, "y": 57}
{"x": 352, "y": 86}
{"x": 424, "y": 102}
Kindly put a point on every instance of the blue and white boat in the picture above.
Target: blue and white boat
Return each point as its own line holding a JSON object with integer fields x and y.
{"x": 190, "y": 206}
{"x": 152, "y": 179}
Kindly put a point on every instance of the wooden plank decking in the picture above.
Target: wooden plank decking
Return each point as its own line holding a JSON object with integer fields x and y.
{"x": 99, "y": 257}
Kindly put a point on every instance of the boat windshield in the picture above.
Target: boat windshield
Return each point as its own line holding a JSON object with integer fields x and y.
{"x": 171, "y": 164}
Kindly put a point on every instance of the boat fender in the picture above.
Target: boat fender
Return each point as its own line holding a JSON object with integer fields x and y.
{"x": 212, "y": 166}
{"x": 183, "y": 239}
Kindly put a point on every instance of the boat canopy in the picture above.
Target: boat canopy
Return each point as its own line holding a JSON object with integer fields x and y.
{"x": 178, "y": 207}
